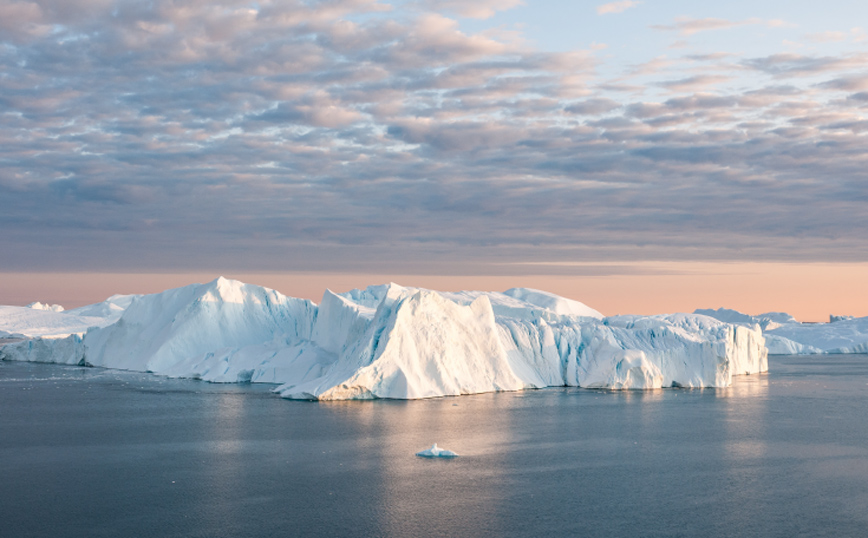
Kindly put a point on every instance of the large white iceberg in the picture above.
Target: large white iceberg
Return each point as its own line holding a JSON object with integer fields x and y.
{"x": 395, "y": 342}
{"x": 786, "y": 336}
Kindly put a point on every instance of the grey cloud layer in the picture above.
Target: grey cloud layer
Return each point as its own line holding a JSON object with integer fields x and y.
{"x": 355, "y": 135}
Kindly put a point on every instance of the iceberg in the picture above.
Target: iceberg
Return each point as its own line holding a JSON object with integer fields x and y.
{"x": 767, "y": 321}
{"x": 785, "y": 335}
{"x": 52, "y": 321}
{"x": 42, "y": 306}
{"x": 778, "y": 345}
{"x": 844, "y": 336}
{"x": 390, "y": 341}
{"x": 48, "y": 333}
{"x": 436, "y": 452}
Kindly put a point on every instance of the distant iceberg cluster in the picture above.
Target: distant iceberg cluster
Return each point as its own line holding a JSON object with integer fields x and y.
{"x": 386, "y": 341}
{"x": 786, "y": 336}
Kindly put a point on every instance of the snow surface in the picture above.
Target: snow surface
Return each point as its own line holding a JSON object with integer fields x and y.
{"x": 786, "y": 336}
{"x": 389, "y": 341}
{"x": 436, "y": 452}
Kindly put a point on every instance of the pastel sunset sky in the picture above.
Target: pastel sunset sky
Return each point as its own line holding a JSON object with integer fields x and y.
{"x": 639, "y": 156}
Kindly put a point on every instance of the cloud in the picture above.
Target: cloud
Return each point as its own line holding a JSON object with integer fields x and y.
{"x": 702, "y": 101}
{"x": 827, "y": 37}
{"x": 855, "y": 35}
{"x": 797, "y": 65}
{"x": 654, "y": 66}
{"x": 479, "y": 9}
{"x": 316, "y": 110}
{"x": 694, "y": 83}
{"x": 848, "y": 83}
{"x": 616, "y": 7}
{"x": 22, "y": 20}
{"x": 353, "y": 134}
{"x": 688, "y": 26}
{"x": 780, "y": 23}
{"x": 593, "y": 107}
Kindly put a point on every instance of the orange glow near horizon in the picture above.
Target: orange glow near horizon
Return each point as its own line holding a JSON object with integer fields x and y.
{"x": 810, "y": 292}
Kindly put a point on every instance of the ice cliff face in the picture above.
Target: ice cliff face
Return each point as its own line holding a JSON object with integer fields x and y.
{"x": 395, "y": 342}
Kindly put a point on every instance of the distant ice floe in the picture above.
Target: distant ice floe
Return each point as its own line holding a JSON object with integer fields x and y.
{"x": 388, "y": 341}
{"x": 436, "y": 452}
{"x": 786, "y": 336}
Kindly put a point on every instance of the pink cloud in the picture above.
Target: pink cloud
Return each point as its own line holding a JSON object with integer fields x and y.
{"x": 616, "y": 7}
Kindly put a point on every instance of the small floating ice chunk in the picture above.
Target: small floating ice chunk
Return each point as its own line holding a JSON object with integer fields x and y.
{"x": 436, "y": 452}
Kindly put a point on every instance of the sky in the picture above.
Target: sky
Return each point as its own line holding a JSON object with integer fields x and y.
{"x": 614, "y": 151}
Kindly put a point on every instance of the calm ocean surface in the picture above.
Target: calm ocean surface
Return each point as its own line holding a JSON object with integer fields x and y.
{"x": 90, "y": 452}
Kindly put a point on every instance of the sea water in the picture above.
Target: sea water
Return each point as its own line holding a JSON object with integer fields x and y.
{"x": 92, "y": 452}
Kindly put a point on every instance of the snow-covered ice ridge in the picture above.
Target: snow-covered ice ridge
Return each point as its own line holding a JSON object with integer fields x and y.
{"x": 786, "y": 336}
{"x": 391, "y": 341}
